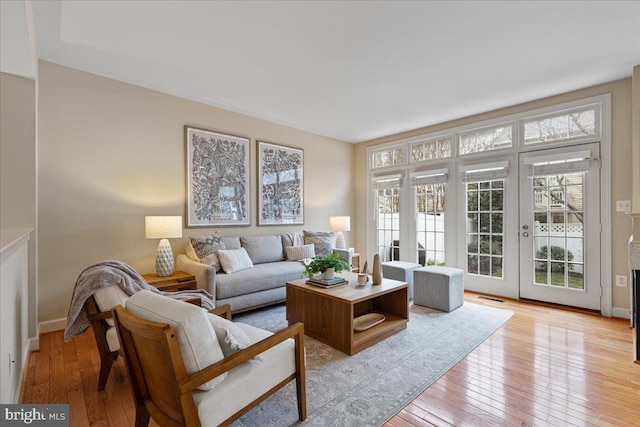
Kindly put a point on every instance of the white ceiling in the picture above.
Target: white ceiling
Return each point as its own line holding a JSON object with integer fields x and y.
{"x": 349, "y": 70}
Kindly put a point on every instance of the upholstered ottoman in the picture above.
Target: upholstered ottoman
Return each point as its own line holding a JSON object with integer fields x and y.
{"x": 402, "y": 271}
{"x": 441, "y": 288}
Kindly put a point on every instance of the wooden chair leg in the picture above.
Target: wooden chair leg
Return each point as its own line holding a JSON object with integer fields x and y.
{"x": 301, "y": 387}
{"x": 106, "y": 361}
{"x": 142, "y": 416}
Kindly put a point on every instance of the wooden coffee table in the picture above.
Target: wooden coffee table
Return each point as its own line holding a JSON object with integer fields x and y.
{"x": 328, "y": 314}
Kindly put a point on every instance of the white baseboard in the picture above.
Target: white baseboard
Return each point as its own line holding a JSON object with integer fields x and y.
{"x": 622, "y": 313}
{"x": 52, "y": 325}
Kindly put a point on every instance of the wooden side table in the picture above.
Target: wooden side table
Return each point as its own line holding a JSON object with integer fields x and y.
{"x": 178, "y": 281}
{"x": 355, "y": 260}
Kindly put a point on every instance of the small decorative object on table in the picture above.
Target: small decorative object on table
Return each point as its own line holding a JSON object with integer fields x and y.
{"x": 376, "y": 275}
{"x": 362, "y": 279}
{"x": 367, "y": 321}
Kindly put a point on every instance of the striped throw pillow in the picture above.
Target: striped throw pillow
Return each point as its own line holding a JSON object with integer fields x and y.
{"x": 234, "y": 260}
{"x": 297, "y": 253}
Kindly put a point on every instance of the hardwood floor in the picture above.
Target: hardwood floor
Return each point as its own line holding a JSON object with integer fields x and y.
{"x": 545, "y": 366}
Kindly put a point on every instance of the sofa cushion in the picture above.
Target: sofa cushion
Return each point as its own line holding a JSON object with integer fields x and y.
{"x": 260, "y": 278}
{"x": 263, "y": 249}
{"x": 232, "y": 242}
{"x": 206, "y": 248}
{"x": 196, "y": 338}
{"x": 293, "y": 239}
{"x": 109, "y": 297}
{"x": 234, "y": 260}
{"x": 323, "y": 241}
{"x": 297, "y": 253}
{"x": 247, "y": 382}
{"x": 230, "y": 336}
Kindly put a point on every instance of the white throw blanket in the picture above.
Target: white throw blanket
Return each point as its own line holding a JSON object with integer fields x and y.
{"x": 108, "y": 273}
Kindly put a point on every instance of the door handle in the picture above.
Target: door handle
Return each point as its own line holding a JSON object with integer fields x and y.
{"x": 525, "y": 234}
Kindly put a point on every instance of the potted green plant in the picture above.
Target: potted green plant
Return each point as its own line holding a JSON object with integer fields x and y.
{"x": 327, "y": 265}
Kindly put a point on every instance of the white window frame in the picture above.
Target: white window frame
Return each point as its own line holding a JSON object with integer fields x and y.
{"x": 602, "y": 105}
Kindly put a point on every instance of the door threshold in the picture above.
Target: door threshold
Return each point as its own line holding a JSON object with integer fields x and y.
{"x": 562, "y": 307}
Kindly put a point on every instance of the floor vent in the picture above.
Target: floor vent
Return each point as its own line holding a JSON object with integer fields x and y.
{"x": 489, "y": 298}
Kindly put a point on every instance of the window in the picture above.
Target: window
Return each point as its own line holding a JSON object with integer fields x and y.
{"x": 559, "y": 127}
{"x": 389, "y": 157}
{"x": 430, "y": 205}
{"x": 387, "y": 188}
{"x": 485, "y": 140}
{"x": 485, "y": 220}
{"x": 429, "y": 150}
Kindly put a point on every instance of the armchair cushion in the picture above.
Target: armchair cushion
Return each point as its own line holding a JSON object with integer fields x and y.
{"x": 112, "y": 338}
{"x": 248, "y": 381}
{"x": 231, "y": 337}
{"x": 197, "y": 340}
{"x": 109, "y": 297}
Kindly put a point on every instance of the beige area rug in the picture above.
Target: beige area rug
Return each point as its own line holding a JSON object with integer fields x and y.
{"x": 370, "y": 387}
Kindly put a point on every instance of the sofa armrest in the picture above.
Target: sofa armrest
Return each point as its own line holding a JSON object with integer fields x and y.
{"x": 205, "y": 274}
{"x": 344, "y": 255}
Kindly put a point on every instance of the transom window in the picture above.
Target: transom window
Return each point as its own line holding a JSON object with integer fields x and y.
{"x": 429, "y": 150}
{"x": 393, "y": 156}
{"x": 559, "y": 127}
{"x": 485, "y": 140}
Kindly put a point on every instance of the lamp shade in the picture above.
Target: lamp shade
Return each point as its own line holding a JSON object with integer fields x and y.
{"x": 340, "y": 223}
{"x": 162, "y": 227}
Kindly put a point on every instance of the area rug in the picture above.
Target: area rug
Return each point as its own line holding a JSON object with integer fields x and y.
{"x": 370, "y": 387}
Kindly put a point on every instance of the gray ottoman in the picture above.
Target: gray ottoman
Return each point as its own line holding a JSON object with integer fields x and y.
{"x": 441, "y": 288}
{"x": 402, "y": 271}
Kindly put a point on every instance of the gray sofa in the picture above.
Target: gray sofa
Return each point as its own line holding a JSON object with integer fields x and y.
{"x": 262, "y": 285}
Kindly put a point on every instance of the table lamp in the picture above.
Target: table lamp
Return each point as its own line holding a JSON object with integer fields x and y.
{"x": 163, "y": 228}
{"x": 340, "y": 224}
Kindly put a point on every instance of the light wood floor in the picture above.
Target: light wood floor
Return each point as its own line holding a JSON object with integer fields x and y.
{"x": 545, "y": 366}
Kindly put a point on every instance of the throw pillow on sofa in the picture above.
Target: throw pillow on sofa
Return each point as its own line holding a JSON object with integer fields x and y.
{"x": 322, "y": 241}
{"x": 234, "y": 260}
{"x": 206, "y": 248}
{"x": 298, "y": 253}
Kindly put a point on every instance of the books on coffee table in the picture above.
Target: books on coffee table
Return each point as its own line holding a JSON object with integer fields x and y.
{"x": 338, "y": 281}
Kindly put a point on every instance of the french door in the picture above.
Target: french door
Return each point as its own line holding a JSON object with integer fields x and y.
{"x": 559, "y": 229}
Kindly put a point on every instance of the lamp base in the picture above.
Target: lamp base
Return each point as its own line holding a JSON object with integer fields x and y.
{"x": 340, "y": 242}
{"x": 164, "y": 259}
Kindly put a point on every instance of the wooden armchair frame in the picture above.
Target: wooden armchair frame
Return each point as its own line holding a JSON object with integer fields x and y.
{"x": 162, "y": 389}
{"x": 100, "y": 326}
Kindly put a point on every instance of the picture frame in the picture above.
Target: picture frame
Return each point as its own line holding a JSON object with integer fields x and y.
{"x": 217, "y": 168}
{"x": 280, "y": 184}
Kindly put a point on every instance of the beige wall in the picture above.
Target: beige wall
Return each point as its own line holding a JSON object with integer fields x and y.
{"x": 636, "y": 139}
{"x": 17, "y": 152}
{"x": 621, "y": 181}
{"x": 111, "y": 153}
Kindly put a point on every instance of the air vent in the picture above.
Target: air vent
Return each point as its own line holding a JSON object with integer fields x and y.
{"x": 491, "y": 299}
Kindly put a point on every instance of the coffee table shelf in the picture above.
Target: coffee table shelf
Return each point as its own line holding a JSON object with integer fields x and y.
{"x": 328, "y": 314}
